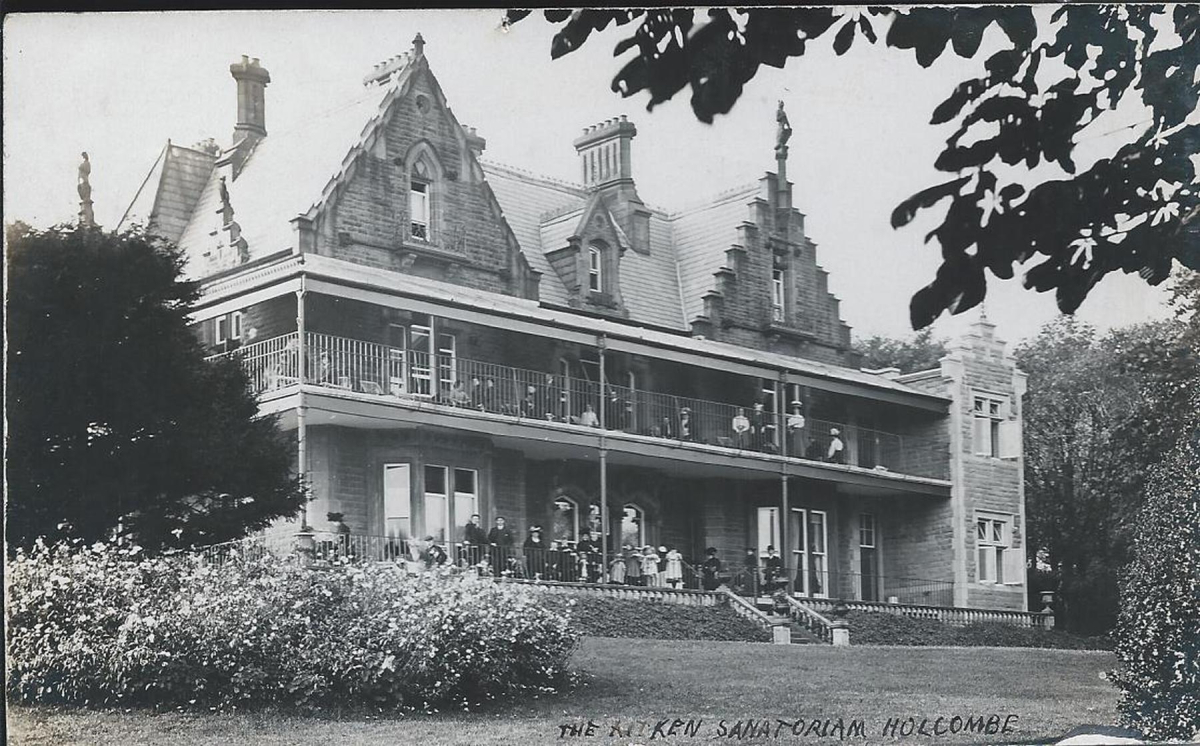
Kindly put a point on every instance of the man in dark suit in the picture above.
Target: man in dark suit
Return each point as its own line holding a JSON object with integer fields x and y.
{"x": 500, "y": 542}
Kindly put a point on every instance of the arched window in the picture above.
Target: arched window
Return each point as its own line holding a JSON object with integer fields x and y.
{"x": 633, "y": 526}
{"x": 424, "y": 177}
{"x": 564, "y": 526}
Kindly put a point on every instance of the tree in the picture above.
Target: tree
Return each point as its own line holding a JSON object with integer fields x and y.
{"x": 1099, "y": 412}
{"x": 1158, "y": 637}
{"x": 920, "y": 352}
{"x": 116, "y": 419}
{"x": 1135, "y": 210}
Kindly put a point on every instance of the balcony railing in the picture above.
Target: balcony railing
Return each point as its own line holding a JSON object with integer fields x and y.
{"x": 380, "y": 370}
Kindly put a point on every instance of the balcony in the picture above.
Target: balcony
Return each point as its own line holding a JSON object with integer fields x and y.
{"x": 380, "y": 372}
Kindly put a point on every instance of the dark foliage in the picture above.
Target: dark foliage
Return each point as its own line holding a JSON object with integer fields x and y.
{"x": 115, "y": 418}
{"x": 1098, "y": 414}
{"x": 868, "y": 628}
{"x": 919, "y": 352}
{"x": 1133, "y": 211}
{"x": 1158, "y": 635}
{"x": 608, "y": 617}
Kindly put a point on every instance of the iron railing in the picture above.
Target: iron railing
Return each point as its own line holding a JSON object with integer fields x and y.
{"x": 379, "y": 370}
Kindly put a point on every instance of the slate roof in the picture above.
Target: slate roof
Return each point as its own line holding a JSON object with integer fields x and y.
{"x": 293, "y": 169}
{"x": 168, "y": 196}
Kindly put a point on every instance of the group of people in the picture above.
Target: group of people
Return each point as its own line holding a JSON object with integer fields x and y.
{"x": 647, "y": 566}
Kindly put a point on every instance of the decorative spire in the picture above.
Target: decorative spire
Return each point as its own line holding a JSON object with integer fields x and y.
{"x": 418, "y": 46}
{"x": 84, "y": 187}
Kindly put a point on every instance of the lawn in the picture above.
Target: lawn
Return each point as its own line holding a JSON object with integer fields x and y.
{"x": 632, "y": 681}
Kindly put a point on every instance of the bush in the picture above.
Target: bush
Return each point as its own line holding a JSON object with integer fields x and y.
{"x": 874, "y": 628}
{"x": 654, "y": 620}
{"x": 97, "y": 626}
{"x": 1158, "y": 632}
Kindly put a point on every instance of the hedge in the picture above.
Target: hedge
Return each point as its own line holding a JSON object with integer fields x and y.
{"x": 867, "y": 628}
{"x": 102, "y": 626}
{"x": 655, "y": 620}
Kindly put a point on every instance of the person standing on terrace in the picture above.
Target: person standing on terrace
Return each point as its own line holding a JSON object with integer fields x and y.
{"x": 500, "y": 540}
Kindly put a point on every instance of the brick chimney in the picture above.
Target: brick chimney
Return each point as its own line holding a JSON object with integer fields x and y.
{"x": 252, "y": 82}
{"x": 605, "y": 156}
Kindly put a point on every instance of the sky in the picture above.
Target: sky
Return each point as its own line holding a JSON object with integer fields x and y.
{"x": 119, "y": 85}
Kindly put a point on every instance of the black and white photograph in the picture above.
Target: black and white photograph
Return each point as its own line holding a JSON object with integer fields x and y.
{"x": 614, "y": 376}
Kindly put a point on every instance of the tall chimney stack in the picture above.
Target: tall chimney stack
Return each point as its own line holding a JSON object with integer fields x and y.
{"x": 252, "y": 82}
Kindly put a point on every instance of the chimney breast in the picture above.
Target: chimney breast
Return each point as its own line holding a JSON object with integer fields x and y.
{"x": 252, "y": 80}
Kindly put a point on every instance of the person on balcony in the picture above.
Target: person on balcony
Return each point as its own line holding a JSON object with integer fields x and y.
{"x": 458, "y": 396}
{"x": 584, "y": 550}
{"x": 674, "y": 572}
{"x": 433, "y": 555}
{"x": 589, "y": 418}
{"x": 750, "y": 574}
{"x": 649, "y": 565}
{"x": 795, "y": 428}
{"x": 837, "y": 449}
{"x": 500, "y": 542}
{"x": 741, "y": 427}
{"x": 529, "y": 405}
{"x": 535, "y": 553}
{"x": 758, "y": 427}
{"x": 615, "y": 411}
{"x": 773, "y": 577}
{"x": 633, "y": 566}
{"x": 685, "y": 424}
{"x": 474, "y": 540}
{"x": 616, "y": 570}
{"x": 710, "y": 570}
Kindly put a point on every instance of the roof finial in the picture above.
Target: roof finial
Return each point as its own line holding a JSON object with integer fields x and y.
{"x": 418, "y": 46}
{"x": 84, "y": 187}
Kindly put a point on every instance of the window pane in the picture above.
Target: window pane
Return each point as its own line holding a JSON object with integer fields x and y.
{"x": 816, "y": 531}
{"x": 866, "y": 530}
{"x": 999, "y": 560}
{"x": 236, "y": 330}
{"x": 979, "y": 405}
{"x": 994, "y": 408}
{"x": 397, "y": 502}
{"x": 222, "y": 330}
{"x": 435, "y": 516}
{"x": 997, "y": 531}
{"x": 981, "y": 530}
{"x": 982, "y": 571}
{"x": 464, "y": 481}
{"x": 435, "y": 479}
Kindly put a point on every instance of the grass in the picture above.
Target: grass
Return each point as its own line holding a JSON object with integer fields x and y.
{"x": 1050, "y": 691}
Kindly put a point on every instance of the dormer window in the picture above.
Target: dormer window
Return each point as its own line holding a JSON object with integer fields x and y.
{"x": 777, "y": 295}
{"x": 595, "y": 270}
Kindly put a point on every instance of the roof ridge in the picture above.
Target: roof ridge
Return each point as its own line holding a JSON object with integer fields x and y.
{"x": 516, "y": 170}
{"x": 722, "y": 196}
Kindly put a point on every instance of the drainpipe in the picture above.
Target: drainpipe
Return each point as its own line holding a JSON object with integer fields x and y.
{"x": 301, "y": 424}
{"x": 600, "y": 344}
{"x": 781, "y": 433}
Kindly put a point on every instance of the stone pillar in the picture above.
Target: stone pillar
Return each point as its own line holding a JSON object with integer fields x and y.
{"x": 841, "y": 633}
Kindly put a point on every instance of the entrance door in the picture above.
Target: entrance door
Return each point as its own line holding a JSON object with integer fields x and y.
{"x": 868, "y": 574}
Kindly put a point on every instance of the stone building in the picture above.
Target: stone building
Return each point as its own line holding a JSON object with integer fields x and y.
{"x": 447, "y": 336}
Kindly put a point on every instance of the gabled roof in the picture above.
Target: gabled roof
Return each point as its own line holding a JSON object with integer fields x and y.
{"x": 286, "y": 174}
{"x": 167, "y": 197}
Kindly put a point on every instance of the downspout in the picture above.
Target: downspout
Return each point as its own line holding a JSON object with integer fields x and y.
{"x": 784, "y": 438}
{"x": 600, "y": 344}
{"x": 301, "y": 424}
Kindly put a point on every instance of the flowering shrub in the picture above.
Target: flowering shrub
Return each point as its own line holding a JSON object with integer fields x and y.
{"x": 101, "y": 626}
